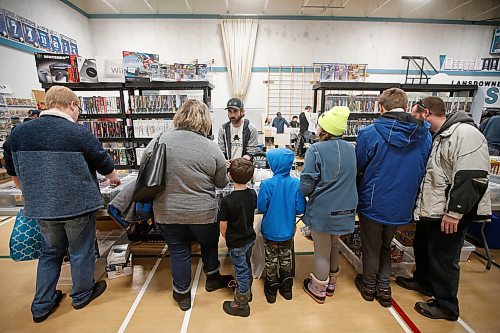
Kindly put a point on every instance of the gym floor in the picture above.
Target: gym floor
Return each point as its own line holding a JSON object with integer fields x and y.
{"x": 143, "y": 302}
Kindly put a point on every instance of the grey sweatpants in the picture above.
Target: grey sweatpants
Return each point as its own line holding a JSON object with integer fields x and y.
{"x": 326, "y": 254}
{"x": 376, "y": 241}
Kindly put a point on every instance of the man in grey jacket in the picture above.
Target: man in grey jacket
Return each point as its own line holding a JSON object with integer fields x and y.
{"x": 454, "y": 193}
{"x": 237, "y": 138}
{"x": 54, "y": 160}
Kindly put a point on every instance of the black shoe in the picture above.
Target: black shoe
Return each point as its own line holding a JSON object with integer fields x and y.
{"x": 383, "y": 296}
{"x": 270, "y": 291}
{"x": 184, "y": 300}
{"x": 217, "y": 281}
{"x": 59, "y": 297}
{"x": 97, "y": 290}
{"x": 412, "y": 284}
{"x": 367, "y": 293}
{"x": 432, "y": 309}
{"x": 239, "y": 307}
{"x": 285, "y": 288}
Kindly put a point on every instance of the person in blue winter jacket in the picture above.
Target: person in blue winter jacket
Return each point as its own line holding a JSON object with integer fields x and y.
{"x": 329, "y": 180}
{"x": 391, "y": 158}
{"x": 280, "y": 200}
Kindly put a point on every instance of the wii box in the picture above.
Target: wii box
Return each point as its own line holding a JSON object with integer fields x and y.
{"x": 109, "y": 70}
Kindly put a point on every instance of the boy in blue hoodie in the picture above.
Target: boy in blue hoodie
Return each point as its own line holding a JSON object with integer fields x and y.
{"x": 280, "y": 200}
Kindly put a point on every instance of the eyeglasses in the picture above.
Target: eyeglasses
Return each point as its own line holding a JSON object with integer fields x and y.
{"x": 421, "y": 104}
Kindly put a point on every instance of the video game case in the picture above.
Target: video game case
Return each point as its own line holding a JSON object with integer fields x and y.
{"x": 150, "y": 127}
{"x": 355, "y": 125}
{"x": 105, "y": 129}
{"x": 185, "y": 72}
{"x": 100, "y": 105}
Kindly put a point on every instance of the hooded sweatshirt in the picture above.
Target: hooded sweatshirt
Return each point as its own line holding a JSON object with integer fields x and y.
{"x": 391, "y": 158}
{"x": 280, "y": 198}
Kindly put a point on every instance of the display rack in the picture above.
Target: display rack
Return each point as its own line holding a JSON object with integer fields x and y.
{"x": 132, "y": 89}
{"x": 320, "y": 91}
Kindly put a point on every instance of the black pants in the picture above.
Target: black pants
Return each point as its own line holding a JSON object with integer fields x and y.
{"x": 376, "y": 241}
{"x": 436, "y": 257}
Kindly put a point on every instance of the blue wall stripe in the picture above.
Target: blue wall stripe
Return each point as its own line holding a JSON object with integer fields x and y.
{"x": 19, "y": 46}
{"x": 275, "y": 69}
{"x": 75, "y": 7}
{"x": 275, "y": 17}
{"x": 291, "y": 17}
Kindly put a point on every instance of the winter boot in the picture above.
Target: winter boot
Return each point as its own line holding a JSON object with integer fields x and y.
{"x": 270, "y": 290}
{"x": 316, "y": 288}
{"x": 286, "y": 284}
{"x": 184, "y": 300}
{"x": 239, "y": 306}
{"x": 383, "y": 296}
{"x": 367, "y": 293}
{"x": 217, "y": 281}
{"x": 332, "y": 282}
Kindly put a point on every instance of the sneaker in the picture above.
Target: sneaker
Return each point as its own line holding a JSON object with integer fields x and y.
{"x": 412, "y": 284}
{"x": 184, "y": 300}
{"x": 217, "y": 281}
{"x": 367, "y": 293}
{"x": 432, "y": 309}
{"x": 383, "y": 296}
{"x": 59, "y": 297}
{"x": 97, "y": 290}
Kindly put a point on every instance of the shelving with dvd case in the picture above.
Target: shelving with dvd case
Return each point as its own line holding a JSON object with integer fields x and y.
{"x": 362, "y": 99}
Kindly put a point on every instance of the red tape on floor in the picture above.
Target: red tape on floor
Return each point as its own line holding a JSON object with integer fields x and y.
{"x": 405, "y": 317}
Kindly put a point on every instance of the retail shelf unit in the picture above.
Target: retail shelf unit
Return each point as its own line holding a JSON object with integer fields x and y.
{"x": 366, "y": 100}
{"x": 128, "y": 116}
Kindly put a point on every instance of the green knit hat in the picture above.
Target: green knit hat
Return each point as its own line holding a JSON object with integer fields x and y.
{"x": 335, "y": 120}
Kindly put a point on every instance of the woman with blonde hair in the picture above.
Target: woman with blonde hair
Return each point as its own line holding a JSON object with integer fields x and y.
{"x": 187, "y": 208}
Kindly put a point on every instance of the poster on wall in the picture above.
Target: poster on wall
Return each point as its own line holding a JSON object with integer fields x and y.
{"x": 55, "y": 42}
{"x": 29, "y": 32}
{"x": 136, "y": 65}
{"x": 14, "y": 27}
{"x": 3, "y": 28}
{"x": 73, "y": 47}
{"x": 65, "y": 44}
{"x": 43, "y": 38}
{"x": 495, "y": 43}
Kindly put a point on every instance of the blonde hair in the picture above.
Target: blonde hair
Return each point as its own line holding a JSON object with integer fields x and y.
{"x": 60, "y": 97}
{"x": 393, "y": 98}
{"x": 193, "y": 116}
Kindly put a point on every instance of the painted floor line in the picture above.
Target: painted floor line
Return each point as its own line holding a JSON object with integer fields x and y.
{"x": 187, "y": 314}
{"x": 398, "y": 313}
{"x": 466, "y": 326}
{"x": 399, "y": 320}
{"x": 141, "y": 292}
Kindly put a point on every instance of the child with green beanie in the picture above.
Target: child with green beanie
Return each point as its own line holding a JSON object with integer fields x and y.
{"x": 329, "y": 180}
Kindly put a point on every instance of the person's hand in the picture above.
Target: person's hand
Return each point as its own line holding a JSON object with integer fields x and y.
{"x": 449, "y": 224}
{"x": 247, "y": 157}
{"x": 115, "y": 181}
{"x": 228, "y": 163}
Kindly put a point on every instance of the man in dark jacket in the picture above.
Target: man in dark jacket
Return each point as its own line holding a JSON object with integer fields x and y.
{"x": 237, "y": 138}
{"x": 454, "y": 193}
{"x": 54, "y": 160}
{"x": 391, "y": 157}
{"x": 295, "y": 122}
{"x": 279, "y": 122}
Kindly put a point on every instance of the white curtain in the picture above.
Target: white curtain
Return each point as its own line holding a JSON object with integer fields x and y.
{"x": 239, "y": 37}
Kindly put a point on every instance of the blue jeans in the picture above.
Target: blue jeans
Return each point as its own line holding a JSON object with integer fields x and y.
{"x": 78, "y": 236}
{"x": 240, "y": 257}
{"x": 178, "y": 238}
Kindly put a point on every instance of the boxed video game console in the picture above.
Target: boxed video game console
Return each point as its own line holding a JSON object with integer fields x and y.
{"x": 56, "y": 68}
{"x": 87, "y": 70}
{"x": 109, "y": 70}
{"x": 136, "y": 65}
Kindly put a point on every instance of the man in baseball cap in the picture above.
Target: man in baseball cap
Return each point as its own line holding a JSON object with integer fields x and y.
{"x": 237, "y": 138}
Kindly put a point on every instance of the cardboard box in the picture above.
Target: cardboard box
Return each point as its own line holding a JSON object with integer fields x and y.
{"x": 117, "y": 274}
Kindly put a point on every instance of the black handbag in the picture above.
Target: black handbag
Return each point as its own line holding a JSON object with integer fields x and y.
{"x": 151, "y": 179}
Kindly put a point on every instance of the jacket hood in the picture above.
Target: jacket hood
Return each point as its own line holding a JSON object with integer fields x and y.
{"x": 454, "y": 118}
{"x": 400, "y": 129}
{"x": 280, "y": 160}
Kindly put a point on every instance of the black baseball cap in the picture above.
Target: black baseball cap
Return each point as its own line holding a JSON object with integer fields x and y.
{"x": 235, "y": 103}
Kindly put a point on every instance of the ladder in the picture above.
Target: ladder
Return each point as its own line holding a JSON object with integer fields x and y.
{"x": 422, "y": 77}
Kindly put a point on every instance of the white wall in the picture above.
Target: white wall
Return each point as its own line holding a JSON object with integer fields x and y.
{"x": 17, "y": 68}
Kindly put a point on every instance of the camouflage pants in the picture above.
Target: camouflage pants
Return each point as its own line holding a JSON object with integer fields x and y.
{"x": 279, "y": 260}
